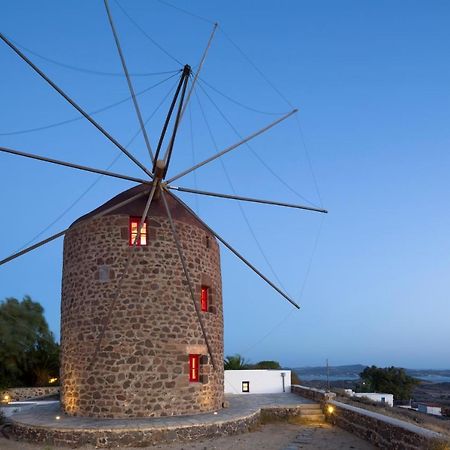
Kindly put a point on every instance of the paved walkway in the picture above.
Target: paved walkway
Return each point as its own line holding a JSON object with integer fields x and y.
{"x": 240, "y": 406}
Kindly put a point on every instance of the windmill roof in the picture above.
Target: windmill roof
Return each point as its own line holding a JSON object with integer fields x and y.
{"x": 136, "y": 207}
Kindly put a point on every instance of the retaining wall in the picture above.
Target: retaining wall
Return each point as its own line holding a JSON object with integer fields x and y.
{"x": 383, "y": 431}
{"x": 27, "y": 393}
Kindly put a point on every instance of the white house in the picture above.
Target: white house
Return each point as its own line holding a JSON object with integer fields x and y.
{"x": 388, "y": 399}
{"x": 259, "y": 381}
{"x": 429, "y": 408}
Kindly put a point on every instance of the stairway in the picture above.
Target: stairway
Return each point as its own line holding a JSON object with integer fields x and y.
{"x": 311, "y": 412}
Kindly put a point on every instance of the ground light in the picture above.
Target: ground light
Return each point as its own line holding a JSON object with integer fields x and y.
{"x": 330, "y": 409}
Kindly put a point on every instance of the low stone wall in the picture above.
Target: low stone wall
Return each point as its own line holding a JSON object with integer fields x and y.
{"x": 383, "y": 431}
{"x": 313, "y": 394}
{"x": 19, "y": 394}
{"x": 133, "y": 437}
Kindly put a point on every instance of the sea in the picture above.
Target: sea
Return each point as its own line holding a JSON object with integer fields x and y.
{"x": 353, "y": 377}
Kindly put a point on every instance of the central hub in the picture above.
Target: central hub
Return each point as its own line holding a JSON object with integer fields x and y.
{"x": 160, "y": 169}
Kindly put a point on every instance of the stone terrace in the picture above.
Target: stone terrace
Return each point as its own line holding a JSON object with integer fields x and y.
{"x": 244, "y": 414}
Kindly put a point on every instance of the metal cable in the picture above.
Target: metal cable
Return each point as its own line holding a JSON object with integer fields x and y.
{"x": 96, "y": 181}
{"x": 191, "y": 129}
{"x": 89, "y": 71}
{"x": 244, "y": 215}
{"x": 236, "y": 102}
{"x": 184, "y": 11}
{"x": 258, "y": 157}
{"x": 92, "y": 113}
{"x": 147, "y": 35}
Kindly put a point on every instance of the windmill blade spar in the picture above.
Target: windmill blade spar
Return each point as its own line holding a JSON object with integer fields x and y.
{"x": 188, "y": 278}
{"x": 74, "y": 104}
{"x": 244, "y": 260}
{"x": 130, "y": 84}
{"x": 231, "y": 147}
{"x": 63, "y": 232}
{"x": 73, "y": 165}
{"x": 246, "y": 199}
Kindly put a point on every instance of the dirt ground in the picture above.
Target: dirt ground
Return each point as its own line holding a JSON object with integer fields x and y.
{"x": 268, "y": 437}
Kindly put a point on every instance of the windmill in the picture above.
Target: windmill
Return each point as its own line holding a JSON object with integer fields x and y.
{"x": 142, "y": 325}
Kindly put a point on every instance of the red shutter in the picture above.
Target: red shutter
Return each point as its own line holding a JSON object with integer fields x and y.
{"x": 204, "y": 298}
{"x": 194, "y": 367}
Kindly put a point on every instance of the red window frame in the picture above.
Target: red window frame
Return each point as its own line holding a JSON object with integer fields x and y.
{"x": 204, "y": 298}
{"x": 194, "y": 368}
{"x": 132, "y": 231}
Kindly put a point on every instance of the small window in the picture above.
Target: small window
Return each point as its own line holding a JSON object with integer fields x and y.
{"x": 204, "y": 298}
{"x": 134, "y": 224}
{"x": 194, "y": 368}
{"x": 246, "y": 386}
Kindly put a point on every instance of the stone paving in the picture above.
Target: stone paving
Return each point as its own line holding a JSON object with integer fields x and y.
{"x": 240, "y": 406}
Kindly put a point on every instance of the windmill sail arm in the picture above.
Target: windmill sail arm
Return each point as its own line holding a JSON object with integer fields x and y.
{"x": 188, "y": 278}
{"x": 73, "y": 165}
{"x": 74, "y": 104}
{"x": 63, "y": 232}
{"x": 244, "y": 260}
{"x": 130, "y": 84}
{"x": 232, "y": 147}
{"x": 246, "y": 199}
{"x": 197, "y": 73}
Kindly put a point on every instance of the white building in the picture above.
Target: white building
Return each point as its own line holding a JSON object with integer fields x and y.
{"x": 388, "y": 399}
{"x": 429, "y": 408}
{"x": 259, "y": 381}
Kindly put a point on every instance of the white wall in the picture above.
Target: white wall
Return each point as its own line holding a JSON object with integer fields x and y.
{"x": 261, "y": 381}
{"x": 377, "y": 397}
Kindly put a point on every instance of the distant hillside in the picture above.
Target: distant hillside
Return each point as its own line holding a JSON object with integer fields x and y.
{"x": 351, "y": 372}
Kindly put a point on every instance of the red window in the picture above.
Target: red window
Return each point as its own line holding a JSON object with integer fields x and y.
{"x": 204, "y": 298}
{"x": 133, "y": 231}
{"x": 194, "y": 367}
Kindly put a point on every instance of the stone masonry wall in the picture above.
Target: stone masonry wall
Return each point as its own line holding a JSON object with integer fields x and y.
{"x": 383, "y": 431}
{"x": 142, "y": 366}
{"x": 27, "y": 393}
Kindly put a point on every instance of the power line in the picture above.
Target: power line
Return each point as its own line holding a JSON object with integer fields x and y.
{"x": 92, "y": 113}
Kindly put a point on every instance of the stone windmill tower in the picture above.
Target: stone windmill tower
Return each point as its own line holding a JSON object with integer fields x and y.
{"x": 142, "y": 316}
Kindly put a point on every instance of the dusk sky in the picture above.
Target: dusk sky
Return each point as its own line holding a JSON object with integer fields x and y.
{"x": 371, "y": 81}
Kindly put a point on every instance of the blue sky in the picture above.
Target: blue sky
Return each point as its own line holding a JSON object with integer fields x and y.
{"x": 371, "y": 81}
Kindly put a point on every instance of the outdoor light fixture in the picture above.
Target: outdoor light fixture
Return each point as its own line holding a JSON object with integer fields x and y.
{"x": 58, "y": 417}
{"x": 330, "y": 409}
{"x": 52, "y": 380}
{"x": 6, "y": 398}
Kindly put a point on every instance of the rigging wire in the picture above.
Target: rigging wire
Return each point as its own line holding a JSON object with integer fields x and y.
{"x": 85, "y": 70}
{"x": 191, "y": 129}
{"x": 261, "y": 73}
{"x": 185, "y": 11}
{"x": 302, "y": 289}
{"x": 243, "y": 213}
{"x": 92, "y": 113}
{"x": 236, "y": 102}
{"x": 258, "y": 157}
{"x": 147, "y": 35}
{"x": 96, "y": 181}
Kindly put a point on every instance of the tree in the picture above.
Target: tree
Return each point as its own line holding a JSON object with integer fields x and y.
{"x": 235, "y": 362}
{"x": 273, "y": 365}
{"x": 29, "y": 355}
{"x": 390, "y": 380}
